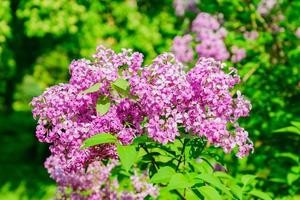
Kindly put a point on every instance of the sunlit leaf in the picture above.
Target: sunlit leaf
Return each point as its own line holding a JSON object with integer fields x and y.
{"x": 291, "y": 178}
{"x": 92, "y": 89}
{"x": 260, "y": 194}
{"x": 191, "y": 195}
{"x": 289, "y": 129}
{"x": 121, "y": 83}
{"x": 237, "y": 191}
{"x": 213, "y": 181}
{"x": 179, "y": 181}
{"x": 101, "y": 138}
{"x": 127, "y": 155}
{"x": 163, "y": 175}
{"x": 209, "y": 193}
{"x": 103, "y": 105}
{"x": 247, "y": 179}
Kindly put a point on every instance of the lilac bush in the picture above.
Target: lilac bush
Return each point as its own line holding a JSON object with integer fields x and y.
{"x": 209, "y": 40}
{"x": 115, "y": 96}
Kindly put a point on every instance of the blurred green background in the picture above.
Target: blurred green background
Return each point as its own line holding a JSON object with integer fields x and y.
{"x": 39, "y": 38}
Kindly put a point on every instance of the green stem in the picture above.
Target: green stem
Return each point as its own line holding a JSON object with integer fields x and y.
{"x": 151, "y": 157}
{"x": 182, "y": 153}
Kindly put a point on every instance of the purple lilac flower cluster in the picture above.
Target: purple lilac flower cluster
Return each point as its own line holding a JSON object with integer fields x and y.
{"x": 210, "y": 37}
{"x": 251, "y": 35}
{"x": 237, "y": 54}
{"x": 182, "y": 48}
{"x": 182, "y": 5}
{"x": 266, "y": 6}
{"x": 165, "y": 98}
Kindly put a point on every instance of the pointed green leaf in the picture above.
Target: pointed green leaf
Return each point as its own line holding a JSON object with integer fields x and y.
{"x": 179, "y": 181}
{"x": 237, "y": 191}
{"x": 127, "y": 155}
{"x": 213, "y": 181}
{"x": 163, "y": 175}
{"x": 260, "y": 194}
{"x": 100, "y": 138}
{"x": 289, "y": 129}
{"x": 288, "y": 155}
{"x": 190, "y": 195}
{"x": 121, "y": 83}
{"x": 296, "y": 124}
{"x": 92, "y": 89}
{"x": 291, "y": 178}
{"x": 248, "y": 179}
{"x": 209, "y": 193}
{"x": 103, "y": 105}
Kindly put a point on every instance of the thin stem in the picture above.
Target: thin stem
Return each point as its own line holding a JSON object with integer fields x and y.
{"x": 182, "y": 153}
{"x": 151, "y": 157}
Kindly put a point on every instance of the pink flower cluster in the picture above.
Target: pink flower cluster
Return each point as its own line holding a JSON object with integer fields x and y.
{"x": 210, "y": 37}
{"x": 251, "y": 35}
{"x": 266, "y": 6}
{"x": 182, "y": 5}
{"x": 165, "y": 97}
{"x": 182, "y": 48}
{"x": 237, "y": 54}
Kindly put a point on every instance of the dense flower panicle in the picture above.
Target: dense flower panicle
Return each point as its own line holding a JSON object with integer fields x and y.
{"x": 96, "y": 181}
{"x": 209, "y": 40}
{"x": 182, "y": 48}
{"x": 165, "y": 97}
{"x": 204, "y": 22}
{"x": 210, "y": 34}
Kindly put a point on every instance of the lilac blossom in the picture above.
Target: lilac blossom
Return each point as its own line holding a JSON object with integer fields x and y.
{"x": 251, "y": 35}
{"x": 182, "y": 5}
{"x": 209, "y": 40}
{"x": 237, "y": 54}
{"x": 266, "y": 6}
{"x": 164, "y": 94}
{"x": 182, "y": 48}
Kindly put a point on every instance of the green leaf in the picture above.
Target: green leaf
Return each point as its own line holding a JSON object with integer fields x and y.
{"x": 289, "y": 129}
{"x": 120, "y": 84}
{"x": 224, "y": 175}
{"x": 296, "y": 124}
{"x": 127, "y": 155}
{"x": 141, "y": 139}
{"x": 288, "y": 155}
{"x": 92, "y": 89}
{"x": 179, "y": 181}
{"x": 260, "y": 194}
{"x": 190, "y": 195}
{"x": 277, "y": 180}
{"x": 248, "y": 179}
{"x": 100, "y": 138}
{"x": 166, "y": 194}
{"x": 209, "y": 193}
{"x": 163, "y": 175}
{"x": 212, "y": 180}
{"x": 237, "y": 191}
{"x": 291, "y": 178}
{"x": 103, "y": 105}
